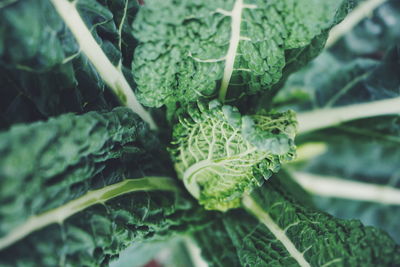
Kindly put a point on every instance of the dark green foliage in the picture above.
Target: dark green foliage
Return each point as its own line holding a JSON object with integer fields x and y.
{"x": 321, "y": 237}
{"x": 97, "y": 235}
{"x": 46, "y": 165}
{"x": 343, "y": 83}
{"x": 42, "y": 71}
{"x": 52, "y": 162}
{"x": 373, "y": 143}
{"x": 175, "y": 39}
{"x": 365, "y": 150}
{"x": 72, "y": 155}
{"x": 218, "y": 251}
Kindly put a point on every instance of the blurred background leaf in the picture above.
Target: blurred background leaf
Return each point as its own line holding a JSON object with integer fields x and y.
{"x": 361, "y": 67}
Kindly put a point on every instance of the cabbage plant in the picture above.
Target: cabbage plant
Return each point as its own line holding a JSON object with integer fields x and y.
{"x": 219, "y": 132}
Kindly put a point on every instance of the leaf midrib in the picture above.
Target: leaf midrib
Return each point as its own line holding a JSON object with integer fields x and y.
{"x": 59, "y": 214}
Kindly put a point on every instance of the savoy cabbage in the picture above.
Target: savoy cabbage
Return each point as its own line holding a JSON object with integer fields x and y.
{"x": 130, "y": 127}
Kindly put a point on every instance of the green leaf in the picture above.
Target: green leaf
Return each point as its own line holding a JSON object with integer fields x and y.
{"x": 98, "y": 234}
{"x": 287, "y": 233}
{"x": 191, "y": 50}
{"x": 360, "y": 89}
{"x": 77, "y": 205}
{"x": 53, "y": 162}
{"x": 343, "y": 83}
{"x": 363, "y": 151}
{"x": 220, "y": 155}
{"x": 365, "y": 156}
{"x": 43, "y": 71}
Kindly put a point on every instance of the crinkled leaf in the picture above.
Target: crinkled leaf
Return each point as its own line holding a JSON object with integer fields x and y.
{"x": 54, "y": 161}
{"x": 219, "y": 155}
{"x": 239, "y": 239}
{"x": 98, "y": 234}
{"x": 66, "y": 158}
{"x": 189, "y": 49}
{"x": 43, "y": 71}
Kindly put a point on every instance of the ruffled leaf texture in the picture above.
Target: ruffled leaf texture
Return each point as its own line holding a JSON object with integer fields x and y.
{"x": 239, "y": 239}
{"x": 220, "y": 154}
{"x": 46, "y": 165}
{"x": 189, "y": 49}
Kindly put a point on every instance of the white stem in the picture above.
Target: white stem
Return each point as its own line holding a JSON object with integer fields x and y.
{"x": 194, "y": 253}
{"x": 58, "y": 215}
{"x": 323, "y": 118}
{"x": 330, "y": 186}
{"x": 250, "y": 204}
{"x": 236, "y": 17}
{"x": 309, "y": 151}
{"x": 111, "y": 75}
{"x": 356, "y": 16}
{"x": 190, "y": 183}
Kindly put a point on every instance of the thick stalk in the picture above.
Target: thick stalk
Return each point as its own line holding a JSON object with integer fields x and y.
{"x": 111, "y": 74}
{"x": 58, "y": 215}
{"x": 236, "y": 17}
{"x": 330, "y": 186}
{"x": 253, "y": 207}
{"x": 323, "y": 118}
{"x": 356, "y": 16}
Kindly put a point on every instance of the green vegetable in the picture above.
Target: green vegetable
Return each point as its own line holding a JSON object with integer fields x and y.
{"x": 83, "y": 181}
{"x": 47, "y": 160}
{"x": 220, "y": 155}
{"x": 77, "y": 205}
{"x": 360, "y": 142}
{"x": 94, "y": 43}
{"x": 290, "y": 233}
{"x": 98, "y": 234}
{"x": 190, "y": 49}
{"x": 36, "y": 84}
